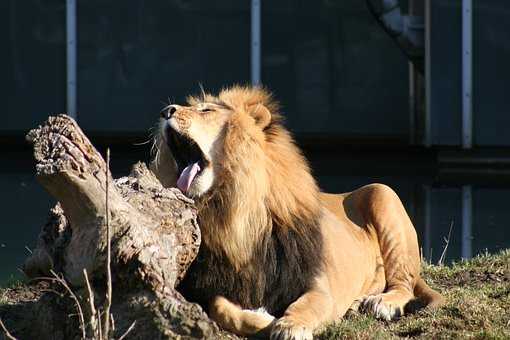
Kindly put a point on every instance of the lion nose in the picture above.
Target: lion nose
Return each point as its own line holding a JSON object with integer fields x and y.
{"x": 167, "y": 114}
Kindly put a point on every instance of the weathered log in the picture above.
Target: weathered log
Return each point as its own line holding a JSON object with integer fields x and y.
{"x": 154, "y": 234}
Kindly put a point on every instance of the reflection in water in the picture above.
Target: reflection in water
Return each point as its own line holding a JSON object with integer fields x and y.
{"x": 473, "y": 208}
{"x": 465, "y": 224}
{"x": 477, "y": 217}
{"x": 477, "y": 214}
{"x": 467, "y": 221}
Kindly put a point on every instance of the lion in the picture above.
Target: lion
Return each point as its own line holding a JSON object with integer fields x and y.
{"x": 279, "y": 257}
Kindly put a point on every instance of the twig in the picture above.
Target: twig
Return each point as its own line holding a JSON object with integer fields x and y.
{"x": 9, "y": 335}
{"x": 22, "y": 272}
{"x": 113, "y": 323}
{"x": 57, "y": 293}
{"x": 108, "y": 259}
{"x": 93, "y": 312}
{"x": 100, "y": 327}
{"x": 447, "y": 242}
{"x": 76, "y": 301}
{"x": 29, "y": 250}
{"x": 128, "y": 330}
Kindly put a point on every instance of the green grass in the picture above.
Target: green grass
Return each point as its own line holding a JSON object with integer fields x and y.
{"x": 11, "y": 282}
{"x": 8, "y": 285}
{"x": 477, "y": 293}
{"x": 478, "y": 306}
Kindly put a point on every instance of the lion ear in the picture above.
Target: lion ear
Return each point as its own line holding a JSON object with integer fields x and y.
{"x": 261, "y": 115}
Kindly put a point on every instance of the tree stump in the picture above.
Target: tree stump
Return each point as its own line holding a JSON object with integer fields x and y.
{"x": 154, "y": 235}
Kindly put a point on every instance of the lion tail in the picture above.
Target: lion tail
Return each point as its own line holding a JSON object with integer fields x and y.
{"x": 429, "y": 297}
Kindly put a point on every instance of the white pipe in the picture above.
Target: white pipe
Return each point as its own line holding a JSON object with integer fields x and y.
{"x": 255, "y": 43}
{"x": 427, "y": 233}
{"x": 467, "y": 74}
{"x": 412, "y": 104}
{"x": 467, "y": 221}
{"x": 71, "y": 58}
{"x": 428, "y": 90}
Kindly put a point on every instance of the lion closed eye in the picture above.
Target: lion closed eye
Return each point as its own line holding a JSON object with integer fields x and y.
{"x": 271, "y": 239}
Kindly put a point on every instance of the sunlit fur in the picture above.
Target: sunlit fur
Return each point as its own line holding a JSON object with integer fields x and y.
{"x": 264, "y": 177}
{"x": 272, "y": 240}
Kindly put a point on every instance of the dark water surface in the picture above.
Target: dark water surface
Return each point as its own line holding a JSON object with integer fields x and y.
{"x": 475, "y": 206}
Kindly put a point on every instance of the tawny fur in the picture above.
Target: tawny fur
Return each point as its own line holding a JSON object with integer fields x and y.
{"x": 272, "y": 239}
{"x": 264, "y": 177}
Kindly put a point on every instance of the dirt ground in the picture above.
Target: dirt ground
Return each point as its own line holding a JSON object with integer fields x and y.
{"x": 477, "y": 293}
{"x": 478, "y": 306}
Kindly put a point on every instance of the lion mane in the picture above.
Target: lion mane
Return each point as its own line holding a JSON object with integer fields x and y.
{"x": 260, "y": 224}
{"x": 270, "y": 238}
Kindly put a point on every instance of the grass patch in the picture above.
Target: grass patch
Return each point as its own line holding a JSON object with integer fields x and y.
{"x": 478, "y": 306}
{"x": 477, "y": 293}
{"x": 11, "y": 282}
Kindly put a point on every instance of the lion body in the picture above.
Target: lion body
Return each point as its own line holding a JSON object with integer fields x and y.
{"x": 271, "y": 239}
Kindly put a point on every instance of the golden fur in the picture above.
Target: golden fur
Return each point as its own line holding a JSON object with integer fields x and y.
{"x": 303, "y": 255}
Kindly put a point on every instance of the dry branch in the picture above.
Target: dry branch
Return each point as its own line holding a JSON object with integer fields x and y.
{"x": 154, "y": 234}
{"x": 8, "y": 335}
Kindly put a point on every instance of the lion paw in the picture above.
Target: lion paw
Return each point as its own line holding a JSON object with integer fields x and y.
{"x": 285, "y": 329}
{"x": 381, "y": 308}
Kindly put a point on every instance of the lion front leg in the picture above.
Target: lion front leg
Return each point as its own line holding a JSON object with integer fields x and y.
{"x": 310, "y": 311}
{"x": 244, "y": 322}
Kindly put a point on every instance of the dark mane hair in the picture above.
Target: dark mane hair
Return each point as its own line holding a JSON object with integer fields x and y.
{"x": 283, "y": 266}
{"x": 261, "y": 239}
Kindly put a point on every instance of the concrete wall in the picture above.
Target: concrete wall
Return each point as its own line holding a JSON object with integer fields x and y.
{"x": 334, "y": 70}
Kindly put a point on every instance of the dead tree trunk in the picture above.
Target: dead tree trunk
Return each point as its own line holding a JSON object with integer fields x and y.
{"x": 154, "y": 231}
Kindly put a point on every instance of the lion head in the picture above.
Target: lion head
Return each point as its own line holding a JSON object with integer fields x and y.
{"x": 231, "y": 154}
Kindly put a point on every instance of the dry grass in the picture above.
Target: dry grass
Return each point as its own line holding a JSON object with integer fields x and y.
{"x": 478, "y": 306}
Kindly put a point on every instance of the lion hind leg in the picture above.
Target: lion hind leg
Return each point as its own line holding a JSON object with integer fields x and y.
{"x": 427, "y": 295}
{"x": 394, "y": 286}
{"x": 387, "y": 306}
{"x": 377, "y": 286}
{"x": 398, "y": 244}
{"x": 400, "y": 277}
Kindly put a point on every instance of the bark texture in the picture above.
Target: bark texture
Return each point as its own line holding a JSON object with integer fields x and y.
{"x": 155, "y": 236}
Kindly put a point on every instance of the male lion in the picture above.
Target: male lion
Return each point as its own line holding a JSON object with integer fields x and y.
{"x": 271, "y": 239}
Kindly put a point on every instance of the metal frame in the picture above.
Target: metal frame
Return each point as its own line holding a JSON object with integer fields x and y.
{"x": 427, "y": 136}
{"x": 255, "y": 43}
{"x": 427, "y": 232}
{"x": 412, "y": 103}
{"x": 71, "y": 55}
{"x": 71, "y": 58}
{"x": 467, "y": 74}
{"x": 416, "y": 8}
{"x": 467, "y": 221}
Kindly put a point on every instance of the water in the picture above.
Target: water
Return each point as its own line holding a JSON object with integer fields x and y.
{"x": 475, "y": 207}
{"x": 473, "y": 204}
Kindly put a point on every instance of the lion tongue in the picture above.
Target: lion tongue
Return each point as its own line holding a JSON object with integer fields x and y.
{"x": 187, "y": 176}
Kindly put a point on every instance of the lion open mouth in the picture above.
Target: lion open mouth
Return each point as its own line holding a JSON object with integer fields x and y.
{"x": 189, "y": 158}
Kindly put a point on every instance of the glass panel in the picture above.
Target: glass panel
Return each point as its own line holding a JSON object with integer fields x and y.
{"x": 445, "y": 71}
{"x": 490, "y": 220}
{"x": 134, "y": 56}
{"x": 33, "y": 82}
{"x": 334, "y": 69}
{"x": 491, "y": 71}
